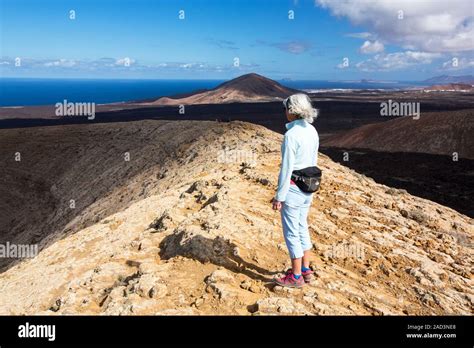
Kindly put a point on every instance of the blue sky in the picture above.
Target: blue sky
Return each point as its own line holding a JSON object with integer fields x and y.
{"x": 224, "y": 39}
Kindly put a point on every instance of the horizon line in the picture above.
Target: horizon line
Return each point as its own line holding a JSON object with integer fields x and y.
{"x": 211, "y": 79}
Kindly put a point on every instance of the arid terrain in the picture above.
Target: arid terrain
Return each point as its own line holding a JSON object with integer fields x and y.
{"x": 431, "y": 156}
{"x": 167, "y": 224}
{"x": 147, "y": 210}
{"x": 451, "y": 87}
{"x": 434, "y": 177}
{"x": 251, "y": 98}
{"x": 438, "y": 133}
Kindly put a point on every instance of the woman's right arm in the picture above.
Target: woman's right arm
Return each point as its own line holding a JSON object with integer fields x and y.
{"x": 288, "y": 152}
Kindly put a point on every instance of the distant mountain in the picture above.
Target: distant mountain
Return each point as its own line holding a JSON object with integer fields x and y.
{"x": 445, "y": 79}
{"x": 245, "y": 88}
{"x": 451, "y": 87}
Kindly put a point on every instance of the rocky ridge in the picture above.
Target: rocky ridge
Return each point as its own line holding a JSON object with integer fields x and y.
{"x": 204, "y": 240}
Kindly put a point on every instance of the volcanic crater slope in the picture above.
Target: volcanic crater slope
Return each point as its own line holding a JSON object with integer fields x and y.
{"x": 442, "y": 133}
{"x": 189, "y": 230}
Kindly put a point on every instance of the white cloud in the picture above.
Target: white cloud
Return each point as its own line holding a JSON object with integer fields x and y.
{"x": 363, "y": 35}
{"x": 458, "y": 63}
{"x": 371, "y": 47}
{"x": 429, "y": 26}
{"x": 126, "y": 61}
{"x": 114, "y": 65}
{"x": 293, "y": 47}
{"x": 397, "y": 60}
{"x": 65, "y": 63}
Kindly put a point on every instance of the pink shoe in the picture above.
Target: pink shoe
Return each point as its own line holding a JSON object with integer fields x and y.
{"x": 290, "y": 281}
{"x": 307, "y": 275}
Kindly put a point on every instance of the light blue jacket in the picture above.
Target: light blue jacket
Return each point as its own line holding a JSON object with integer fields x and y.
{"x": 299, "y": 150}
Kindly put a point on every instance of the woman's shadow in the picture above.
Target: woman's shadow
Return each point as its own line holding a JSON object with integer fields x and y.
{"x": 218, "y": 251}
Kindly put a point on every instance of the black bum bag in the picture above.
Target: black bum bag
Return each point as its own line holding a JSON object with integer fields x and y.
{"x": 307, "y": 179}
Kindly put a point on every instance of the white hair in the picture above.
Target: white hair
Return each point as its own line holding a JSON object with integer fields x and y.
{"x": 300, "y": 106}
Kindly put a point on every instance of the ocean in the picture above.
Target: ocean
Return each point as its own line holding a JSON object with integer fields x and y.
{"x": 36, "y": 91}
{"x": 20, "y": 92}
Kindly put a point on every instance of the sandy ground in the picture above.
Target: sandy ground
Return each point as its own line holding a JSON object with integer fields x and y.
{"x": 186, "y": 227}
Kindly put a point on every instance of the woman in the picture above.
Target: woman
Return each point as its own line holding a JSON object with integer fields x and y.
{"x": 299, "y": 151}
